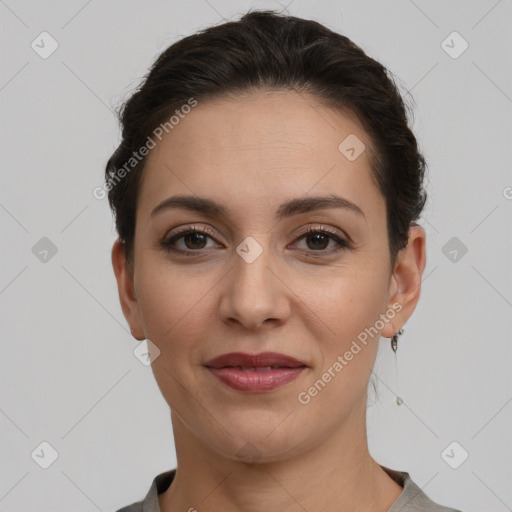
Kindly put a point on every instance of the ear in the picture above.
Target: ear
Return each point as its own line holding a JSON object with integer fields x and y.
{"x": 125, "y": 287}
{"x": 405, "y": 283}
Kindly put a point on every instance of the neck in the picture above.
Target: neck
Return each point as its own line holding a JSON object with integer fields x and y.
{"x": 338, "y": 474}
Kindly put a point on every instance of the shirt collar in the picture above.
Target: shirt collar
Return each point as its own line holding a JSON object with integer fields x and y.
{"x": 410, "y": 490}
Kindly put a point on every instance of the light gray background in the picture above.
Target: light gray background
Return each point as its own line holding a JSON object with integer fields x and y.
{"x": 68, "y": 375}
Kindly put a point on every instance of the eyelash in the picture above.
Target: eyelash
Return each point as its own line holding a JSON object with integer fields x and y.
{"x": 167, "y": 243}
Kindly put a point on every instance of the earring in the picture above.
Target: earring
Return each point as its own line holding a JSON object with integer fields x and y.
{"x": 394, "y": 346}
{"x": 394, "y": 339}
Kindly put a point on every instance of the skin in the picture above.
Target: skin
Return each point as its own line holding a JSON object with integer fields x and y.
{"x": 298, "y": 297}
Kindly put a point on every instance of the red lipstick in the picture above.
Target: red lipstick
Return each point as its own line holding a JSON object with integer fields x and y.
{"x": 255, "y": 373}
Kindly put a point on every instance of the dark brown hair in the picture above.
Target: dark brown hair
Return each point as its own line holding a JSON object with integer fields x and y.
{"x": 270, "y": 50}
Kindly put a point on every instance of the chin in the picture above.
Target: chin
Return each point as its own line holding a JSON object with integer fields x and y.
{"x": 252, "y": 440}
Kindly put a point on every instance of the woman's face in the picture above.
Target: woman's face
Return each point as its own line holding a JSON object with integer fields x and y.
{"x": 253, "y": 281}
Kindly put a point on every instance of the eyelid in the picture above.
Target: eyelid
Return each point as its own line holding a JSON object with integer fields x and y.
{"x": 192, "y": 227}
{"x": 323, "y": 227}
{"x": 213, "y": 234}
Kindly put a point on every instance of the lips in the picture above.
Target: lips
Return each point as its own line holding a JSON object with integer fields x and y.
{"x": 255, "y": 373}
{"x": 259, "y": 362}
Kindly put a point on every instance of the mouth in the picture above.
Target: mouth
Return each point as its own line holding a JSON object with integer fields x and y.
{"x": 255, "y": 373}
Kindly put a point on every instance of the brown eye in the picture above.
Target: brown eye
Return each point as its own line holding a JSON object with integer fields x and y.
{"x": 194, "y": 240}
{"x": 317, "y": 240}
{"x": 191, "y": 239}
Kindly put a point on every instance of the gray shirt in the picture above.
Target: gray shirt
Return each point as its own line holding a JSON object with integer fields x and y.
{"x": 412, "y": 499}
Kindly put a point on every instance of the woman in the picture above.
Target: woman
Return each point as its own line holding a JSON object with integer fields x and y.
{"x": 266, "y": 193}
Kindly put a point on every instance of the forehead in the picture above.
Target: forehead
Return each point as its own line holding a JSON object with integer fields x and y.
{"x": 259, "y": 149}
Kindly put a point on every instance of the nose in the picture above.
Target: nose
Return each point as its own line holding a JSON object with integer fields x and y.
{"x": 254, "y": 294}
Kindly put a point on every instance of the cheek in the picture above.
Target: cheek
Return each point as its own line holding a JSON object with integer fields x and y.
{"x": 348, "y": 303}
{"x": 173, "y": 312}
{"x": 174, "y": 305}
{"x": 349, "y": 308}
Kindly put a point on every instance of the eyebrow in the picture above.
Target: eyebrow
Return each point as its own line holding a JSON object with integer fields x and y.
{"x": 287, "y": 209}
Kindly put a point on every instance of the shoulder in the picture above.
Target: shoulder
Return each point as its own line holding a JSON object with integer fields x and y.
{"x": 150, "y": 503}
{"x": 413, "y": 499}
